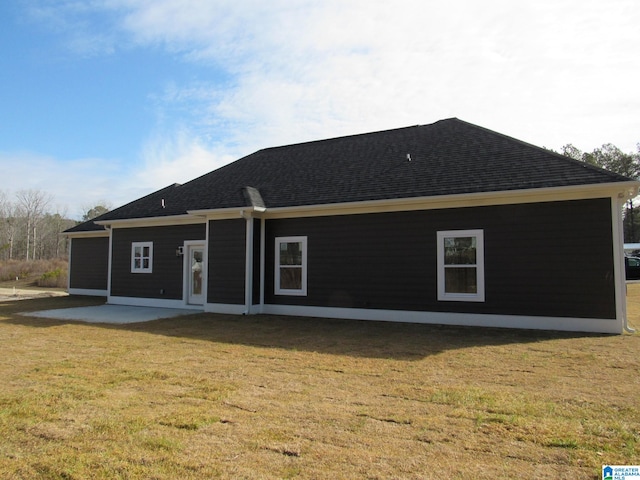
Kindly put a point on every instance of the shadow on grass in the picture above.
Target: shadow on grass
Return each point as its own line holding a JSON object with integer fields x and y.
{"x": 370, "y": 339}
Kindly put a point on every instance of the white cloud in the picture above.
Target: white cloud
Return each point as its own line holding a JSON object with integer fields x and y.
{"x": 176, "y": 158}
{"x": 73, "y": 184}
{"x": 552, "y": 72}
{"x": 549, "y": 72}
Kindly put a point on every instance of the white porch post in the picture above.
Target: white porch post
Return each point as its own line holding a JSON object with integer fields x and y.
{"x": 248, "y": 278}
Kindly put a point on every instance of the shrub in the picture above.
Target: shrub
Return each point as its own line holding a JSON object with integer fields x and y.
{"x": 53, "y": 279}
{"x": 11, "y": 269}
{"x": 39, "y": 272}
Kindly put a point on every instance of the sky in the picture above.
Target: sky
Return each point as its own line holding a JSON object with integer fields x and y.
{"x": 109, "y": 100}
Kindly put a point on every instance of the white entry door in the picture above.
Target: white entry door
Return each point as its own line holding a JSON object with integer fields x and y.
{"x": 195, "y": 274}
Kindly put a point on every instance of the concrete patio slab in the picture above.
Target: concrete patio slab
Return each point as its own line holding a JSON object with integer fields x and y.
{"x": 117, "y": 314}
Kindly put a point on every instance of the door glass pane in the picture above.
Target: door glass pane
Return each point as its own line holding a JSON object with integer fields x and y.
{"x": 196, "y": 272}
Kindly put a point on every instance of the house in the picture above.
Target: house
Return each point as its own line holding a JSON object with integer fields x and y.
{"x": 448, "y": 223}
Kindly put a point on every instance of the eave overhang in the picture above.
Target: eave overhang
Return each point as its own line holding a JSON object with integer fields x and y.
{"x": 164, "y": 221}
{"x": 87, "y": 234}
{"x": 620, "y": 190}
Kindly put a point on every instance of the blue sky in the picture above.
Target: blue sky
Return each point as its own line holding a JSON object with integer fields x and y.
{"x": 108, "y": 100}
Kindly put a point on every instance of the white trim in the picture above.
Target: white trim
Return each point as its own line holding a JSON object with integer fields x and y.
{"x": 226, "y": 308}
{"x": 479, "y": 266}
{"x": 89, "y": 234}
{"x": 153, "y": 221}
{"x": 456, "y": 319}
{"x": 205, "y": 280}
{"x": 263, "y": 242}
{"x": 248, "y": 270}
{"x": 110, "y": 260}
{"x": 69, "y": 265}
{"x": 87, "y": 292}
{"x": 619, "y": 275}
{"x": 186, "y": 270}
{"x": 141, "y": 268}
{"x": 228, "y": 213}
{"x": 277, "y": 266}
{"x": 152, "y": 302}
{"x": 509, "y": 197}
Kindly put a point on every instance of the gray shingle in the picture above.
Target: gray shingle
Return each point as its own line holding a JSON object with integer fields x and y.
{"x": 447, "y": 157}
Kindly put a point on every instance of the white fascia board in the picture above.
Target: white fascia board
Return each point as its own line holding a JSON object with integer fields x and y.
{"x": 228, "y": 213}
{"x": 624, "y": 190}
{"x": 89, "y": 234}
{"x": 152, "y": 221}
{"x": 534, "y": 195}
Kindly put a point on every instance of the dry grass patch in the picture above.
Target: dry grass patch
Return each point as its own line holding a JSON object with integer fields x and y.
{"x": 214, "y": 396}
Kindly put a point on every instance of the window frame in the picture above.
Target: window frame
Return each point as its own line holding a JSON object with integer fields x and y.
{"x": 141, "y": 269}
{"x": 277, "y": 267}
{"x": 479, "y": 296}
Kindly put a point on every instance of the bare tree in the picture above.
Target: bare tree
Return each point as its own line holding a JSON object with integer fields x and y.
{"x": 33, "y": 202}
{"x": 11, "y": 221}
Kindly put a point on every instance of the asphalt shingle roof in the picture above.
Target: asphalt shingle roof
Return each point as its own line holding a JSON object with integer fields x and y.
{"x": 447, "y": 157}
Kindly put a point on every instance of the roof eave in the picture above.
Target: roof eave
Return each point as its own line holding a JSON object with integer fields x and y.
{"x": 621, "y": 190}
{"x": 87, "y": 233}
{"x": 183, "y": 219}
{"x": 229, "y": 212}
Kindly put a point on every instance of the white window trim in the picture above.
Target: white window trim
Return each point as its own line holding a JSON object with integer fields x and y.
{"x": 135, "y": 245}
{"x": 461, "y": 297}
{"x": 281, "y": 291}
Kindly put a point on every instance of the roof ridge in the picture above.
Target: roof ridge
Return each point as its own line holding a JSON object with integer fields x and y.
{"x": 354, "y": 135}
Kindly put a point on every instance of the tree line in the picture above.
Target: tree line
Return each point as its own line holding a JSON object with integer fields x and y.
{"x": 30, "y": 231}
{"x": 615, "y": 160}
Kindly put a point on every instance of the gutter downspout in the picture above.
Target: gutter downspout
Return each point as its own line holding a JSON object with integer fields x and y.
{"x": 262, "y": 260}
{"x": 248, "y": 275}
{"x": 69, "y": 265}
{"x": 622, "y": 199}
{"x": 110, "y": 264}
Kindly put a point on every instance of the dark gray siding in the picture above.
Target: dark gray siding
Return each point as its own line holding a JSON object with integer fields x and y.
{"x": 89, "y": 268}
{"x": 166, "y": 280}
{"x": 227, "y": 252}
{"x": 543, "y": 259}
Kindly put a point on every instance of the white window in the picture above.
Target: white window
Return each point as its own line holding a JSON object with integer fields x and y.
{"x": 291, "y": 266}
{"x": 141, "y": 257}
{"x": 461, "y": 265}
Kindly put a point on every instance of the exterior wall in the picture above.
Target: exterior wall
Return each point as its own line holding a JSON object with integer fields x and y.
{"x": 552, "y": 259}
{"x": 227, "y": 249}
{"x": 166, "y": 279}
{"x": 89, "y": 264}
